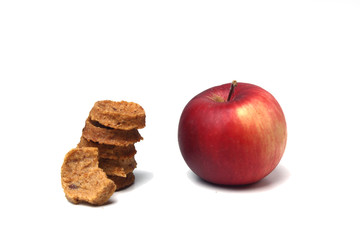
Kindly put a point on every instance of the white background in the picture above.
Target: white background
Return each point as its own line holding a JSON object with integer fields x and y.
{"x": 58, "y": 57}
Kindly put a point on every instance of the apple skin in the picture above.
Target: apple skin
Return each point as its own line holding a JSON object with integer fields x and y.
{"x": 233, "y": 142}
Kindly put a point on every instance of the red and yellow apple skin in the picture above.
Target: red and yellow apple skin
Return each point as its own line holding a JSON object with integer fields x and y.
{"x": 233, "y": 142}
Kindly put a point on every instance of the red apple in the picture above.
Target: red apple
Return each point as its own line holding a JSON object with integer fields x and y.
{"x": 232, "y": 134}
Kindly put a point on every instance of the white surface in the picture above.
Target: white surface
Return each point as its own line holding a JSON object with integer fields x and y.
{"x": 58, "y": 58}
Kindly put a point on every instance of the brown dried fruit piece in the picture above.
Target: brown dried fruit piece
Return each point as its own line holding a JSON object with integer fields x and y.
{"x": 93, "y": 131}
{"x": 110, "y": 151}
{"x": 119, "y": 115}
{"x": 119, "y": 167}
{"x": 123, "y": 182}
{"x": 82, "y": 179}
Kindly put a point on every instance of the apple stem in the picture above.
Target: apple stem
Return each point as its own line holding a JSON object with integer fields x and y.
{"x": 233, "y": 85}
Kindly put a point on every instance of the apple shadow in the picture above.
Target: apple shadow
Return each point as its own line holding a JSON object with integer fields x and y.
{"x": 277, "y": 177}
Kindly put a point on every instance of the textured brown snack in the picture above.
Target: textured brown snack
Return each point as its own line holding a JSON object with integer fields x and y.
{"x": 93, "y": 131}
{"x": 117, "y": 167}
{"x": 123, "y": 182}
{"x": 110, "y": 151}
{"x": 119, "y": 115}
{"x": 82, "y": 179}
